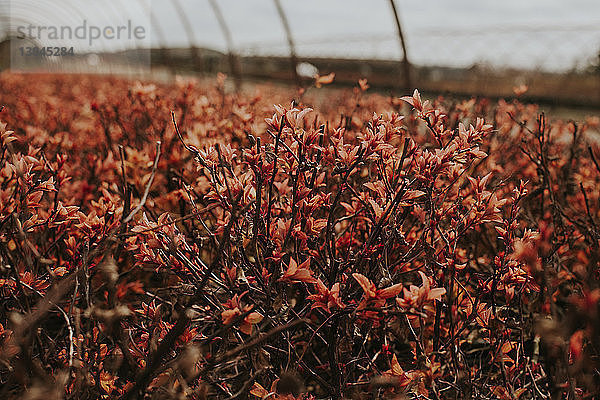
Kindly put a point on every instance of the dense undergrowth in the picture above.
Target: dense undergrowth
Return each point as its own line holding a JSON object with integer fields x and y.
{"x": 182, "y": 241}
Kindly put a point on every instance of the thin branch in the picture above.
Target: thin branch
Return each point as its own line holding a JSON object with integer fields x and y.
{"x": 148, "y": 186}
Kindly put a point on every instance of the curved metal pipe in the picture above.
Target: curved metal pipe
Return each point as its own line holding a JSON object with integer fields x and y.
{"x": 165, "y": 59}
{"x": 190, "y": 34}
{"x": 290, "y": 40}
{"x": 405, "y": 63}
{"x": 233, "y": 61}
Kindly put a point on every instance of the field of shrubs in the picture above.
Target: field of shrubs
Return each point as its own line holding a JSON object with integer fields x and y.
{"x": 182, "y": 241}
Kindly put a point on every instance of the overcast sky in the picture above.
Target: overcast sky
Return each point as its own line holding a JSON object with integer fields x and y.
{"x": 550, "y": 33}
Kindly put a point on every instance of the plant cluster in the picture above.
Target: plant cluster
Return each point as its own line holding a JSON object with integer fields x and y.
{"x": 181, "y": 241}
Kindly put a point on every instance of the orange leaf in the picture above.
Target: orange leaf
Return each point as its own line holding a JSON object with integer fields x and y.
{"x": 107, "y": 381}
{"x": 254, "y": 318}
{"x": 295, "y": 273}
{"x": 229, "y": 315}
{"x": 576, "y": 344}
{"x": 390, "y": 292}
{"x": 412, "y": 194}
{"x": 246, "y": 327}
{"x": 414, "y": 101}
{"x": 259, "y": 391}
{"x": 367, "y": 286}
{"x": 324, "y": 79}
{"x": 362, "y": 83}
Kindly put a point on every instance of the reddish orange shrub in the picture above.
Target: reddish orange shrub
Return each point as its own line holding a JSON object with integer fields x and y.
{"x": 182, "y": 241}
